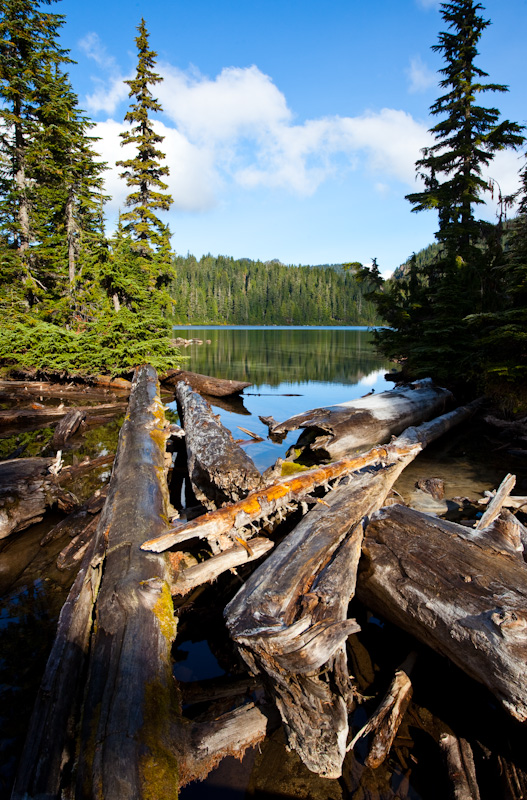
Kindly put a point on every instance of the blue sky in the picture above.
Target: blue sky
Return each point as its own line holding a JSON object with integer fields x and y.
{"x": 292, "y": 126}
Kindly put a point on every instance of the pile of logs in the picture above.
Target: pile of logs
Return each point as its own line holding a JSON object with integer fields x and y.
{"x": 108, "y": 719}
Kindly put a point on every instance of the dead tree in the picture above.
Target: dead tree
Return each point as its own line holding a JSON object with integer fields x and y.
{"x": 220, "y": 471}
{"x": 453, "y": 590}
{"x": 342, "y": 429}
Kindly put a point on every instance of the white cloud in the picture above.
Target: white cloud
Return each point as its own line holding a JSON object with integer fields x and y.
{"x": 237, "y": 128}
{"x": 112, "y": 90}
{"x": 421, "y": 77}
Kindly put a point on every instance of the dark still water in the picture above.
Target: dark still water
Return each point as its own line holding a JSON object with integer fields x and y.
{"x": 290, "y": 369}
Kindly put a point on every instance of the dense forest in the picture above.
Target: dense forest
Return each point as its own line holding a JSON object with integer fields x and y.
{"x": 245, "y": 292}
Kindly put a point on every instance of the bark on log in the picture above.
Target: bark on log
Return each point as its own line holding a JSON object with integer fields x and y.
{"x": 47, "y": 415}
{"x": 25, "y": 487}
{"x": 289, "y": 620}
{"x": 342, "y": 429}
{"x": 126, "y": 742}
{"x": 465, "y": 599}
{"x": 216, "y": 387}
{"x": 220, "y": 471}
{"x": 386, "y": 720}
{"x": 67, "y": 427}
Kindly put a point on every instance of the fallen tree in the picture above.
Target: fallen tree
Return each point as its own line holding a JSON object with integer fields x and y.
{"x": 338, "y": 430}
{"x": 289, "y": 619}
{"x": 216, "y": 387}
{"x": 220, "y": 471}
{"x": 453, "y": 590}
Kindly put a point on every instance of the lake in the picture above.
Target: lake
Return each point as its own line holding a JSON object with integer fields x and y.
{"x": 291, "y": 370}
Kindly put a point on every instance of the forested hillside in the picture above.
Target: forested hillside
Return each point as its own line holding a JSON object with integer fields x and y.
{"x": 244, "y": 292}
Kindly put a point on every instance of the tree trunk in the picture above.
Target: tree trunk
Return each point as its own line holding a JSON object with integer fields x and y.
{"x": 216, "y": 387}
{"x": 220, "y": 471}
{"x": 337, "y": 431}
{"x": 452, "y": 591}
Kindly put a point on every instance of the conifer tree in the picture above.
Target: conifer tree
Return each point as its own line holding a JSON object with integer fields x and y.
{"x": 432, "y": 336}
{"x": 144, "y": 172}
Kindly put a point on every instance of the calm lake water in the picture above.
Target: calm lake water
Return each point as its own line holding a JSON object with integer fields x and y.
{"x": 291, "y": 370}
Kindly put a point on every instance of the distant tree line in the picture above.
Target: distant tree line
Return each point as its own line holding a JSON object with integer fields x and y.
{"x": 245, "y": 292}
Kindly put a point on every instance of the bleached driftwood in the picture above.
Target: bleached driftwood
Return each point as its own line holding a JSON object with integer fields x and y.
{"x": 496, "y": 504}
{"x": 462, "y": 597}
{"x": 339, "y": 430}
{"x": 220, "y": 471}
{"x": 386, "y": 720}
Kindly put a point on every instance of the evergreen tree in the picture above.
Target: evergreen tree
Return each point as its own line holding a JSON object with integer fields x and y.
{"x": 28, "y": 48}
{"x": 50, "y": 182}
{"x": 430, "y": 333}
{"x": 144, "y": 172}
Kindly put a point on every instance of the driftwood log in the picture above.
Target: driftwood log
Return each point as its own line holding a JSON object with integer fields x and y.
{"x": 216, "y": 387}
{"x": 25, "y": 485}
{"x": 127, "y": 624}
{"x": 289, "y": 620}
{"x": 453, "y": 591}
{"x": 40, "y": 416}
{"x": 339, "y": 430}
{"x": 220, "y": 471}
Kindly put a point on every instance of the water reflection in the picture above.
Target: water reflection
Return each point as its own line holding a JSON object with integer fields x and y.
{"x": 276, "y": 355}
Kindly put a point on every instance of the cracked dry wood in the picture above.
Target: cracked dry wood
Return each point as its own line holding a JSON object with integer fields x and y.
{"x": 337, "y": 431}
{"x": 220, "y": 471}
{"x": 460, "y": 595}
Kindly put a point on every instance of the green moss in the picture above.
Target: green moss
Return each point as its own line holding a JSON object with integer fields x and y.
{"x": 164, "y": 612}
{"x": 158, "y": 767}
{"x": 291, "y": 468}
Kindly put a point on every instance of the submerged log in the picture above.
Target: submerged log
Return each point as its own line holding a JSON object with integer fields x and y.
{"x": 67, "y": 427}
{"x": 216, "y": 387}
{"x": 460, "y": 596}
{"x": 338, "y": 430}
{"x": 289, "y": 620}
{"x": 220, "y": 471}
{"x": 127, "y": 625}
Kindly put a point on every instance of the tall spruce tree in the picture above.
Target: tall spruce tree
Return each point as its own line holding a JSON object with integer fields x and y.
{"x": 433, "y": 336}
{"x": 144, "y": 172}
{"x": 51, "y": 182}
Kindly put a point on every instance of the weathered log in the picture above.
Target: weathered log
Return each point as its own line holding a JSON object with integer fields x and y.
{"x": 386, "y": 720}
{"x": 25, "y": 484}
{"x": 280, "y": 497}
{"x": 463, "y": 598}
{"x": 67, "y": 427}
{"x": 460, "y": 765}
{"x": 289, "y": 620}
{"x": 24, "y": 390}
{"x": 342, "y": 429}
{"x": 126, "y": 743}
{"x": 75, "y": 522}
{"x": 207, "y": 571}
{"x": 229, "y": 735}
{"x": 47, "y": 415}
{"x": 496, "y": 504}
{"x": 220, "y": 471}
{"x": 216, "y": 387}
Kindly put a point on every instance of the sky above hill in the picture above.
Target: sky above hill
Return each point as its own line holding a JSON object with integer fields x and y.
{"x": 291, "y": 127}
